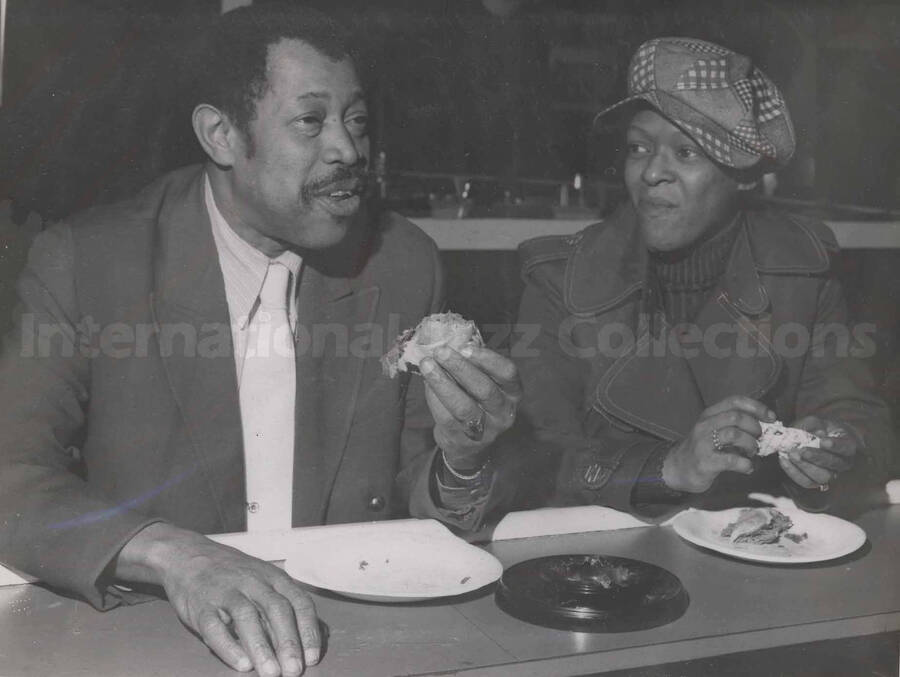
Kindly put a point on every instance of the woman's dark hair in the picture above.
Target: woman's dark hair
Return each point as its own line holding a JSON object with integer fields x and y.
{"x": 233, "y": 58}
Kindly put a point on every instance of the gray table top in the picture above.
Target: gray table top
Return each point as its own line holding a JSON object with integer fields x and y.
{"x": 735, "y": 606}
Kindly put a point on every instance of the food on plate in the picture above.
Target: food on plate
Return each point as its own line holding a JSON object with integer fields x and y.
{"x": 434, "y": 331}
{"x": 777, "y": 437}
{"x": 594, "y": 572}
{"x": 759, "y": 526}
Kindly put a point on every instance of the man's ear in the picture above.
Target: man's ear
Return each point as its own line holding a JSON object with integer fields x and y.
{"x": 221, "y": 140}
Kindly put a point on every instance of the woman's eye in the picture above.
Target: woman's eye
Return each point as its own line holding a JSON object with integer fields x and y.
{"x": 635, "y": 148}
{"x": 689, "y": 152}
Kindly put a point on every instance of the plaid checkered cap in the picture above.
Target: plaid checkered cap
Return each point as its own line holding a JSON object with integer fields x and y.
{"x": 717, "y": 96}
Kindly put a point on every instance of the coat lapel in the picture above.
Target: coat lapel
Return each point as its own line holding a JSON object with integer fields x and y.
{"x": 661, "y": 385}
{"x": 651, "y": 387}
{"x": 191, "y": 316}
{"x": 741, "y": 360}
{"x": 328, "y": 383}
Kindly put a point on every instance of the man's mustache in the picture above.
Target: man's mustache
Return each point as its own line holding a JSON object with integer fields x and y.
{"x": 342, "y": 177}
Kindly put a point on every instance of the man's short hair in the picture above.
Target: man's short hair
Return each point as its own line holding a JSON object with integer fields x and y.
{"x": 232, "y": 73}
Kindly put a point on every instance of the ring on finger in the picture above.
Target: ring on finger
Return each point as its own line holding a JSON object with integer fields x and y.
{"x": 474, "y": 427}
{"x": 717, "y": 443}
{"x": 823, "y": 487}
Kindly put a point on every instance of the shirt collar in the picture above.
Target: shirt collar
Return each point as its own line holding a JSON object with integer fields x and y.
{"x": 243, "y": 266}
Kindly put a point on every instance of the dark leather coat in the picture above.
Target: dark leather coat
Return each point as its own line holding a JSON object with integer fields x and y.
{"x": 601, "y": 393}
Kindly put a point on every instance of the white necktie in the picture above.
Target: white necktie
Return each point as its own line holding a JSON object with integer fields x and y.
{"x": 267, "y": 394}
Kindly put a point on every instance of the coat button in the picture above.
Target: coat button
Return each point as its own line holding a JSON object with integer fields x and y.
{"x": 376, "y": 503}
{"x": 253, "y": 507}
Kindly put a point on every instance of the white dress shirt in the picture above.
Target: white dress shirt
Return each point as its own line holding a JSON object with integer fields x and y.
{"x": 244, "y": 270}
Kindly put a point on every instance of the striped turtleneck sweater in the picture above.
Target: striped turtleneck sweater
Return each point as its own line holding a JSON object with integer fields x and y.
{"x": 685, "y": 278}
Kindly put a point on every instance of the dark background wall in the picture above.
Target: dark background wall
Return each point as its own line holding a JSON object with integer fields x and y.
{"x": 94, "y": 107}
{"x": 93, "y": 104}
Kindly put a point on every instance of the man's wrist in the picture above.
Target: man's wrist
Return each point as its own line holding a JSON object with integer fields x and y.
{"x": 150, "y": 552}
{"x": 453, "y": 476}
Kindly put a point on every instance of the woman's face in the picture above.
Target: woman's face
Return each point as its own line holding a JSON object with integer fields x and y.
{"x": 679, "y": 194}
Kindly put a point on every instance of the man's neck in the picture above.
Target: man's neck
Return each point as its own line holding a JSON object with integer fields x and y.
{"x": 223, "y": 194}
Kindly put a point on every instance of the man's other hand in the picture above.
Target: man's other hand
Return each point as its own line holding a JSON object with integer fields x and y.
{"x": 250, "y": 613}
{"x": 473, "y": 395}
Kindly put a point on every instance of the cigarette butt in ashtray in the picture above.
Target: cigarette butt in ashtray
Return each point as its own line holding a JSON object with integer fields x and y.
{"x": 893, "y": 491}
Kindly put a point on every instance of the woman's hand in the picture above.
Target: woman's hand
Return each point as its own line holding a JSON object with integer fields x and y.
{"x": 724, "y": 438}
{"x": 814, "y": 468}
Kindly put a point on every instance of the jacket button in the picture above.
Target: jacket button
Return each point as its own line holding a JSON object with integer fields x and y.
{"x": 376, "y": 503}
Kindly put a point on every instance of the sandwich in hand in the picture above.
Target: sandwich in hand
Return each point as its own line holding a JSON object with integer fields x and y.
{"x": 777, "y": 437}
{"x": 414, "y": 345}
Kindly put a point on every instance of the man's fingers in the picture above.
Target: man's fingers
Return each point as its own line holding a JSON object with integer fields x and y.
{"x": 282, "y": 629}
{"x": 307, "y": 622}
{"x": 457, "y": 402}
{"x": 501, "y": 369}
{"x": 740, "y": 403}
{"x": 472, "y": 380}
{"x": 216, "y": 636}
{"x": 249, "y": 628}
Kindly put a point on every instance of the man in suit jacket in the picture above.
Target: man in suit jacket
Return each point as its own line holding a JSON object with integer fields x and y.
{"x": 125, "y": 434}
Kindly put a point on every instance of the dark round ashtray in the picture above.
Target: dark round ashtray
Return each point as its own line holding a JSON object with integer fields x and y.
{"x": 591, "y": 593}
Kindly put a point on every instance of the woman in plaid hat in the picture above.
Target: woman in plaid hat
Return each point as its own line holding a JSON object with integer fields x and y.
{"x": 673, "y": 329}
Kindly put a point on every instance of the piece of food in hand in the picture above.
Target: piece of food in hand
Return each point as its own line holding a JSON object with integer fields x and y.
{"x": 434, "y": 331}
{"x": 758, "y": 526}
{"x": 778, "y": 437}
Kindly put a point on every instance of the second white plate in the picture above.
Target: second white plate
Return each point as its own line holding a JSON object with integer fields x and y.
{"x": 392, "y": 565}
{"x": 828, "y": 537}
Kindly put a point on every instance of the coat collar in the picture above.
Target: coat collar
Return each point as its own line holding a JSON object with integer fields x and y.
{"x": 609, "y": 263}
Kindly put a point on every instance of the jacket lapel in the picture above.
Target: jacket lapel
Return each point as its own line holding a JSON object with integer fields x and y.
{"x": 661, "y": 385}
{"x": 191, "y": 316}
{"x": 738, "y": 357}
{"x": 328, "y": 382}
{"x": 651, "y": 387}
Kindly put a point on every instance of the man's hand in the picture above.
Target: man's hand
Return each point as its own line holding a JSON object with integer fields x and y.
{"x": 810, "y": 467}
{"x": 472, "y": 395}
{"x": 694, "y": 464}
{"x": 248, "y": 612}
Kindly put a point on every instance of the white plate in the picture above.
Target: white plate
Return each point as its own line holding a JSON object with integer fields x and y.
{"x": 828, "y": 537}
{"x": 392, "y": 566}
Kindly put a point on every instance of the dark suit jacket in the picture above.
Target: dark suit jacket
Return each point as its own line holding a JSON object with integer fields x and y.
{"x": 118, "y": 394}
{"x": 603, "y": 394}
